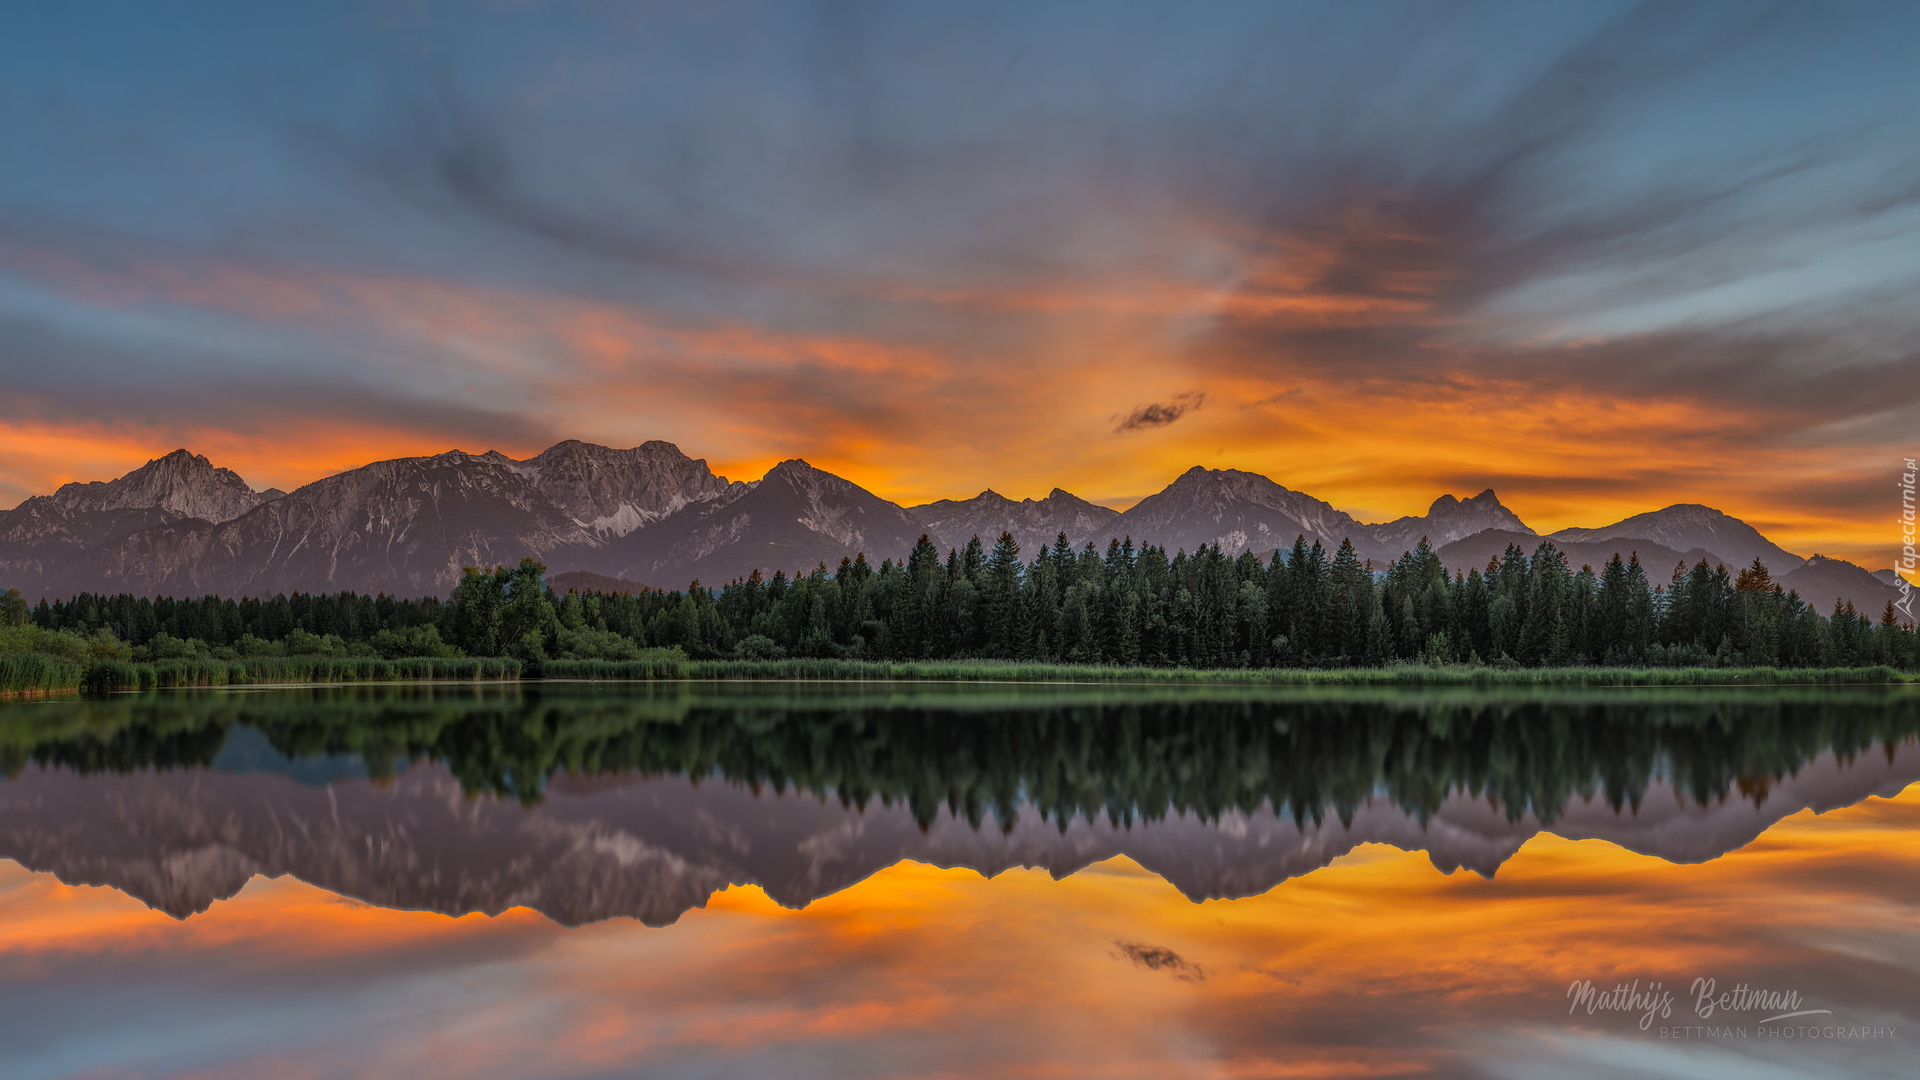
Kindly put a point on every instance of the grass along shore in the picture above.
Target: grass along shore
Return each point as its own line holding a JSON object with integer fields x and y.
{"x": 24, "y": 675}
{"x": 654, "y": 668}
{"x": 32, "y": 674}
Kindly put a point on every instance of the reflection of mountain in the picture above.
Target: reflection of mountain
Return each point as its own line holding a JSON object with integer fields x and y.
{"x": 179, "y": 800}
{"x": 652, "y": 848}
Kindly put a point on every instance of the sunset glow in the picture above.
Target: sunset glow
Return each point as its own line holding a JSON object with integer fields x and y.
{"x": 1523, "y": 249}
{"x": 1375, "y": 966}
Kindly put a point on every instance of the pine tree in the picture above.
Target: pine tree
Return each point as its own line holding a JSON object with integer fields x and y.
{"x": 1001, "y": 609}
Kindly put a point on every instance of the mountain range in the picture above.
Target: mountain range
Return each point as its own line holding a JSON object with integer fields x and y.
{"x": 652, "y": 516}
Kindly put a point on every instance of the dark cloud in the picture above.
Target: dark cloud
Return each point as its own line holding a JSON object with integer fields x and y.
{"x": 1159, "y": 413}
{"x": 54, "y": 376}
{"x": 1409, "y": 264}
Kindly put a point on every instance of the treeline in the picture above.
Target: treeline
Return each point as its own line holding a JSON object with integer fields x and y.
{"x": 1128, "y": 607}
{"x": 124, "y": 643}
{"x": 979, "y": 756}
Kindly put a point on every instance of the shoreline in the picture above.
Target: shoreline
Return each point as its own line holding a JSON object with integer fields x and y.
{"x": 140, "y": 677}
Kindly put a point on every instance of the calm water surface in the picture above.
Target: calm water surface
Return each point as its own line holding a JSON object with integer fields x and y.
{"x": 702, "y": 881}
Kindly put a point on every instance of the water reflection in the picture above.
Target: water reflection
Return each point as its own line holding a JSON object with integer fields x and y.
{"x": 585, "y": 806}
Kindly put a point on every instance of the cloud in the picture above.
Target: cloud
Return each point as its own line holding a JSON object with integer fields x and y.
{"x": 1159, "y": 413}
{"x": 1274, "y": 398}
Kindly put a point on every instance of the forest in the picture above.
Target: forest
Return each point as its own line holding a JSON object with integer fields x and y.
{"x": 1128, "y": 608}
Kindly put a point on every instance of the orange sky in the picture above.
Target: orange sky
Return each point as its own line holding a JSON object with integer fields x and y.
{"x": 917, "y": 417}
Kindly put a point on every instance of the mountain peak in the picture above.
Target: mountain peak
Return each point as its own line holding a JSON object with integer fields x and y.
{"x": 1240, "y": 511}
{"x": 461, "y": 457}
{"x": 613, "y": 492}
{"x": 652, "y": 448}
{"x": 1034, "y": 523}
{"x": 801, "y": 476}
{"x": 796, "y": 517}
{"x": 1447, "y": 520}
{"x": 180, "y": 482}
{"x": 793, "y": 465}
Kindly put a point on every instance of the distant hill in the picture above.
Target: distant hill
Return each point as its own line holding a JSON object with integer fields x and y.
{"x": 586, "y": 581}
{"x": 1475, "y": 551}
{"x": 1822, "y": 581}
{"x": 1034, "y": 523}
{"x": 1690, "y": 527}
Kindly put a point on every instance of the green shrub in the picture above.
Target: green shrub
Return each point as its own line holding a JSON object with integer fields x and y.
{"x": 412, "y": 641}
{"x": 587, "y": 643}
{"x": 667, "y": 663}
{"x": 165, "y": 646}
{"x": 106, "y": 676}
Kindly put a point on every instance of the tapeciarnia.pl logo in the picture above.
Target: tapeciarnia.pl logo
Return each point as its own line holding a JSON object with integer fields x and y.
{"x": 1905, "y": 572}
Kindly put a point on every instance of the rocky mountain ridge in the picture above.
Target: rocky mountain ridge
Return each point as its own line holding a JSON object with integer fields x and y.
{"x": 182, "y": 484}
{"x": 1034, "y": 523}
{"x": 795, "y": 518}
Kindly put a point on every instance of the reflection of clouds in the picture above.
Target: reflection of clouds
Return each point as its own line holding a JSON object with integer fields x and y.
{"x": 1376, "y": 965}
{"x": 1159, "y": 959}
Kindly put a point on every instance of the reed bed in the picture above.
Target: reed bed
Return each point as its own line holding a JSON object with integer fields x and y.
{"x": 802, "y": 669}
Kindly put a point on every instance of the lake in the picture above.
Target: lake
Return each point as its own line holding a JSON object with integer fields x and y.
{"x": 710, "y": 880}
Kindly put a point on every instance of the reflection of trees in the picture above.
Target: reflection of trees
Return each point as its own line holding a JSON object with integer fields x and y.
{"x": 1126, "y": 755}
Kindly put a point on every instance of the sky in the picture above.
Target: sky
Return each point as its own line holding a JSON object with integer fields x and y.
{"x": 1599, "y": 257}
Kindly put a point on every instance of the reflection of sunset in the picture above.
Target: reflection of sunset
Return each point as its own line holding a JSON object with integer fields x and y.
{"x": 1375, "y": 966}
